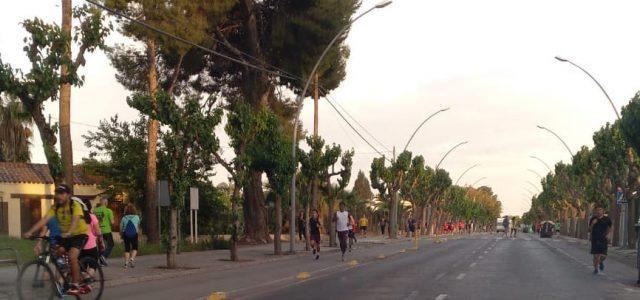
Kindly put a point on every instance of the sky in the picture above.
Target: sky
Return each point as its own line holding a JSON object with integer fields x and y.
{"x": 491, "y": 62}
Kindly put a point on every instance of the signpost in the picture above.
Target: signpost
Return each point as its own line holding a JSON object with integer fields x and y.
{"x": 163, "y": 199}
{"x": 623, "y": 204}
{"x": 194, "y": 202}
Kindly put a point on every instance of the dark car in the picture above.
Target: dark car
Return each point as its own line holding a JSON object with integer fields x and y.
{"x": 546, "y": 229}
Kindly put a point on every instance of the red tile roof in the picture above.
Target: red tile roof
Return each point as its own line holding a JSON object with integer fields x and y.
{"x": 37, "y": 173}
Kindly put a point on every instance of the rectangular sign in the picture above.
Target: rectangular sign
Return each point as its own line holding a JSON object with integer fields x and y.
{"x": 163, "y": 193}
{"x": 620, "y": 197}
{"x": 194, "y": 198}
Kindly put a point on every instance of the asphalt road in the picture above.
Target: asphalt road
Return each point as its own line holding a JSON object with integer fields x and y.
{"x": 464, "y": 267}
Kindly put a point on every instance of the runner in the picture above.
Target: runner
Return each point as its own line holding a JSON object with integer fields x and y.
{"x": 129, "y": 226}
{"x": 105, "y": 217}
{"x": 341, "y": 221}
{"x": 314, "y": 232}
{"x": 600, "y": 227}
{"x": 383, "y": 224}
{"x": 505, "y": 224}
{"x": 411, "y": 225}
{"x": 94, "y": 236}
{"x": 352, "y": 232}
{"x": 72, "y": 221}
{"x": 364, "y": 223}
{"x": 514, "y": 228}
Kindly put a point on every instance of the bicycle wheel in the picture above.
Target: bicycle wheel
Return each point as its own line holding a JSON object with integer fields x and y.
{"x": 36, "y": 281}
{"x": 92, "y": 276}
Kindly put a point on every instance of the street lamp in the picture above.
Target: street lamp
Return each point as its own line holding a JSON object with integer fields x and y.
{"x": 558, "y": 137}
{"x": 299, "y": 103}
{"x": 534, "y": 186}
{"x": 447, "y": 154}
{"x": 465, "y": 172}
{"x": 542, "y": 161}
{"x": 534, "y": 172}
{"x": 420, "y": 126}
{"x": 476, "y": 182}
{"x": 529, "y": 191}
{"x": 594, "y": 80}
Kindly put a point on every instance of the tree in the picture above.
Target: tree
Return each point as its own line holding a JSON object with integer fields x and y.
{"x": 362, "y": 193}
{"x": 15, "y": 132}
{"x": 47, "y": 49}
{"x": 388, "y": 181}
{"x": 165, "y": 65}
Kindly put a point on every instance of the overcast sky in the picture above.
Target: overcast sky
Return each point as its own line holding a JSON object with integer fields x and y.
{"x": 490, "y": 61}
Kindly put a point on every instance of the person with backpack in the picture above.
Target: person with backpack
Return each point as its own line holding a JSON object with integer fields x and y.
{"x": 129, "y": 227}
{"x": 73, "y": 219}
{"x": 94, "y": 235}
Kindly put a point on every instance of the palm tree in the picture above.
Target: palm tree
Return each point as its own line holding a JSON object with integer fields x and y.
{"x": 15, "y": 131}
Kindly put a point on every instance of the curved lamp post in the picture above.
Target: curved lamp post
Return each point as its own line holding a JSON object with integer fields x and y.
{"x": 558, "y": 137}
{"x": 542, "y": 161}
{"x": 450, "y": 150}
{"x": 420, "y": 126}
{"x": 465, "y": 172}
{"x": 534, "y": 186}
{"x": 299, "y": 102}
{"x": 476, "y": 182}
{"x": 594, "y": 80}
{"x": 534, "y": 172}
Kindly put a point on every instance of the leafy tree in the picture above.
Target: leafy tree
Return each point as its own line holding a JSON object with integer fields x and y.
{"x": 47, "y": 47}
{"x": 388, "y": 180}
{"x": 15, "y": 132}
{"x": 362, "y": 195}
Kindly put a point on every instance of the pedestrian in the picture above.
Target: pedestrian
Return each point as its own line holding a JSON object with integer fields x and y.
{"x": 600, "y": 227}
{"x": 94, "y": 235}
{"x": 364, "y": 224}
{"x": 106, "y": 220}
{"x": 129, "y": 228}
{"x": 383, "y": 224}
{"x": 341, "y": 220}
{"x": 505, "y": 224}
{"x": 411, "y": 225}
{"x": 302, "y": 233}
{"x": 314, "y": 232}
{"x": 514, "y": 228}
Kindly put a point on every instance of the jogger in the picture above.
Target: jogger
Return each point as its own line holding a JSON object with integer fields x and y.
{"x": 341, "y": 220}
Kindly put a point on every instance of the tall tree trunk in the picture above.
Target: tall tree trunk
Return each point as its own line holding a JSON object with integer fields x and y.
{"x": 173, "y": 238}
{"x": 331, "y": 230}
{"x": 393, "y": 219}
{"x": 65, "y": 99}
{"x": 277, "y": 235}
{"x": 151, "y": 216}
{"x": 255, "y": 210}
{"x": 233, "y": 247}
{"x": 424, "y": 220}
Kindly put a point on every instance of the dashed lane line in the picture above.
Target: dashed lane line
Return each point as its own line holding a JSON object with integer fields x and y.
{"x": 441, "y": 297}
{"x": 461, "y": 276}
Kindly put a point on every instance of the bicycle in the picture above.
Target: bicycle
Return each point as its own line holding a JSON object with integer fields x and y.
{"x": 49, "y": 276}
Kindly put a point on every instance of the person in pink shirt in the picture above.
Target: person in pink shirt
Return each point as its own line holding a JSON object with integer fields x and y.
{"x": 94, "y": 235}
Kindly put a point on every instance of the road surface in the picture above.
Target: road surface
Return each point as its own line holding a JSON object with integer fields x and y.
{"x": 463, "y": 267}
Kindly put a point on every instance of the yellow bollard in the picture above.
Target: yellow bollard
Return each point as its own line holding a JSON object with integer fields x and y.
{"x": 303, "y": 275}
{"x": 217, "y": 296}
{"x": 353, "y": 263}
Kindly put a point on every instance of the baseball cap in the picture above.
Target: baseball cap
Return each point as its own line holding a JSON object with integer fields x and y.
{"x": 62, "y": 188}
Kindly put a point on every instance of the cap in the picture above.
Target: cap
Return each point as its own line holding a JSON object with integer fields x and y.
{"x": 62, "y": 188}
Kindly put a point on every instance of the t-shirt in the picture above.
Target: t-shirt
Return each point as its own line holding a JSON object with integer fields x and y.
{"x": 314, "y": 226}
{"x": 601, "y": 228}
{"x": 105, "y": 217}
{"x": 342, "y": 220}
{"x": 64, "y": 214}
{"x": 505, "y": 222}
{"x": 363, "y": 222}
{"x": 135, "y": 219}
{"x": 91, "y": 233}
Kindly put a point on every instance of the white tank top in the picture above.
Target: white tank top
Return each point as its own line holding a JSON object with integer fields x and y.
{"x": 342, "y": 222}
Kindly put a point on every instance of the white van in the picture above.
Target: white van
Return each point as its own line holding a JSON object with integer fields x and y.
{"x": 499, "y": 226}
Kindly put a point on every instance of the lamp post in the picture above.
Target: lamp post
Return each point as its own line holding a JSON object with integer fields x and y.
{"x": 420, "y": 126}
{"x": 558, "y": 137}
{"x": 299, "y": 99}
{"x": 534, "y": 172}
{"x": 450, "y": 150}
{"x": 476, "y": 182}
{"x": 465, "y": 172}
{"x": 534, "y": 186}
{"x": 542, "y": 161}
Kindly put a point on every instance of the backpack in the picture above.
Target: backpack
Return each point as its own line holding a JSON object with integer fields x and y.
{"x": 85, "y": 210}
{"x": 130, "y": 230}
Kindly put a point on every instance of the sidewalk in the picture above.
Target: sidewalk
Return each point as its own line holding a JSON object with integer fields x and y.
{"x": 627, "y": 256}
{"x": 153, "y": 267}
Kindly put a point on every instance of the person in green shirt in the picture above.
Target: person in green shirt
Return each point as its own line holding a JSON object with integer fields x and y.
{"x": 106, "y": 220}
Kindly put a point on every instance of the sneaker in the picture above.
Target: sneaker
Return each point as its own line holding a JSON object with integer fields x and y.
{"x": 317, "y": 256}
{"x": 85, "y": 289}
{"x": 342, "y": 256}
{"x": 103, "y": 261}
{"x": 314, "y": 251}
{"x": 595, "y": 272}
{"x": 74, "y": 290}
{"x": 601, "y": 266}
{"x": 132, "y": 263}
{"x": 125, "y": 265}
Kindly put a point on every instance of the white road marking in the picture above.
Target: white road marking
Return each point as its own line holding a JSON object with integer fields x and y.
{"x": 486, "y": 252}
{"x": 474, "y": 252}
{"x": 440, "y": 276}
{"x": 413, "y": 295}
{"x": 461, "y": 276}
{"x": 441, "y": 297}
{"x": 480, "y": 257}
{"x": 472, "y": 265}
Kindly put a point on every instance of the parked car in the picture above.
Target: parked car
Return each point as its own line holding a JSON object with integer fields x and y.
{"x": 546, "y": 229}
{"x": 499, "y": 226}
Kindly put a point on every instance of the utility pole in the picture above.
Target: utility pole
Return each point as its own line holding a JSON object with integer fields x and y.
{"x": 316, "y": 97}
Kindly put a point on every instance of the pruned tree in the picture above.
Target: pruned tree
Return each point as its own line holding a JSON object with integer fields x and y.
{"x": 388, "y": 180}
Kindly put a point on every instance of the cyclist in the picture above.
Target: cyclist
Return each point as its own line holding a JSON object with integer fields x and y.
{"x": 71, "y": 221}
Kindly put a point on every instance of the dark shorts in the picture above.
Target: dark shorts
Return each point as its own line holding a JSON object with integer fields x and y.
{"x": 93, "y": 253}
{"x": 130, "y": 243}
{"x": 76, "y": 241}
{"x": 599, "y": 246}
{"x": 315, "y": 237}
{"x": 412, "y": 228}
{"x": 363, "y": 228}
